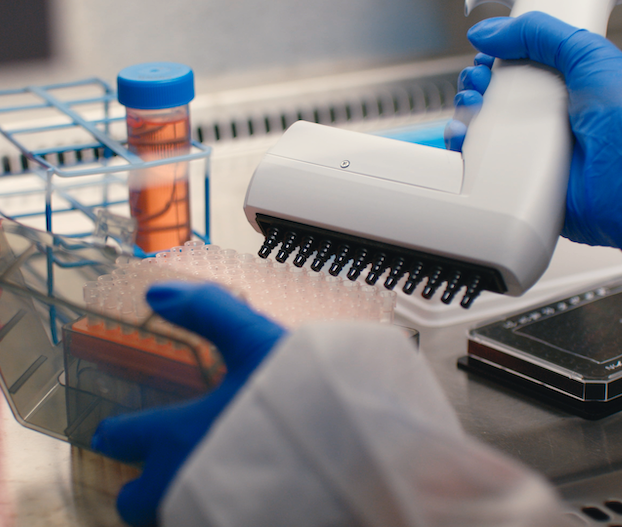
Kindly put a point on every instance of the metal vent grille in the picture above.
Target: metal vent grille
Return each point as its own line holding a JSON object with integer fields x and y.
{"x": 385, "y": 103}
{"x": 368, "y": 100}
{"x": 371, "y": 108}
{"x": 604, "y": 514}
{"x": 594, "y": 501}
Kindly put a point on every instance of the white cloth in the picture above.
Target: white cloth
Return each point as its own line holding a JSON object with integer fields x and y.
{"x": 345, "y": 425}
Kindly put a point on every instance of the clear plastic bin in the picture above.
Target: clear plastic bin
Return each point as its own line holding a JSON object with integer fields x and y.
{"x": 64, "y": 387}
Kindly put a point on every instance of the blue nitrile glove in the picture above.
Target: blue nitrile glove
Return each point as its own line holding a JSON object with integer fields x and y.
{"x": 472, "y": 83}
{"x": 592, "y": 67}
{"x": 162, "y": 438}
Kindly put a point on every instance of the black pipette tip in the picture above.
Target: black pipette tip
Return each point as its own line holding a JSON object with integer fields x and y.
{"x": 467, "y": 300}
{"x": 353, "y": 273}
{"x": 448, "y": 296}
{"x": 473, "y": 290}
{"x": 398, "y": 269}
{"x": 299, "y": 261}
{"x": 342, "y": 257}
{"x": 289, "y": 244}
{"x": 372, "y": 278}
{"x": 414, "y": 278}
{"x": 428, "y": 291}
{"x": 377, "y": 268}
{"x": 264, "y": 252}
{"x": 272, "y": 240}
{"x": 322, "y": 256}
{"x": 306, "y": 249}
{"x": 409, "y": 288}
{"x": 317, "y": 265}
{"x": 335, "y": 269}
{"x": 358, "y": 264}
{"x": 434, "y": 281}
{"x": 391, "y": 282}
{"x": 453, "y": 286}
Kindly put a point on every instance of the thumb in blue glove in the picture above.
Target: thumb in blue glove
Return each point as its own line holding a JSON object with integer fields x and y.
{"x": 163, "y": 438}
{"x": 592, "y": 68}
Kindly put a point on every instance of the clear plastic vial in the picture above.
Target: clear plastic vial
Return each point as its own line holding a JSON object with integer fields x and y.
{"x": 156, "y": 97}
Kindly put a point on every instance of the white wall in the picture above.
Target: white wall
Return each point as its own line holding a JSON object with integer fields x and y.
{"x": 237, "y": 39}
{"x": 241, "y": 42}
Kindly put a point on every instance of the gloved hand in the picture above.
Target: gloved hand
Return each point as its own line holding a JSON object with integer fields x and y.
{"x": 592, "y": 67}
{"x": 163, "y": 438}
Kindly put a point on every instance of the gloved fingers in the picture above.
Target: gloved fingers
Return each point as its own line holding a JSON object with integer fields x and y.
{"x": 592, "y": 213}
{"x": 161, "y": 439}
{"x": 243, "y": 336}
{"x": 534, "y": 35}
{"x": 454, "y": 134}
{"x": 472, "y": 83}
{"x": 474, "y": 78}
{"x": 126, "y": 437}
{"x": 467, "y": 105}
{"x": 133, "y": 510}
{"x": 139, "y": 499}
{"x": 481, "y": 59}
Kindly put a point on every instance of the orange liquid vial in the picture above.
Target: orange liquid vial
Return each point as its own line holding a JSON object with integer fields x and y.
{"x": 159, "y": 196}
{"x": 156, "y": 96}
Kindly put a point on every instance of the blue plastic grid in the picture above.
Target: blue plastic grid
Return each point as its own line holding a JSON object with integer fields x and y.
{"x": 105, "y": 147}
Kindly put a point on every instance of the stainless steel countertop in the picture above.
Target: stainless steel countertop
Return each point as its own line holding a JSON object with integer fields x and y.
{"x": 44, "y": 481}
{"x": 559, "y": 445}
{"x": 582, "y": 458}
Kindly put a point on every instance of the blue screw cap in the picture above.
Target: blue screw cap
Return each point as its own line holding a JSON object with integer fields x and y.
{"x": 155, "y": 85}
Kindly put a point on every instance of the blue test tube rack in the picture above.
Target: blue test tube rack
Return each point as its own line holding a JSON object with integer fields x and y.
{"x": 106, "y": 148}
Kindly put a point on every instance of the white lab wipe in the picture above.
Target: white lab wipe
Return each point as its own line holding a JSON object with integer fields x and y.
{"x": 345, "y": 425}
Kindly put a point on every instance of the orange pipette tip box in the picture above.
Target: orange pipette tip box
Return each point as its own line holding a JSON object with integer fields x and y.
{"x": 141, "y": 358}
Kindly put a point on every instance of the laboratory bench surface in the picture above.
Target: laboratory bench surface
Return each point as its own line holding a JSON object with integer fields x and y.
{"x": 582, "y": 458}
{"x": 44, "y": 481}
